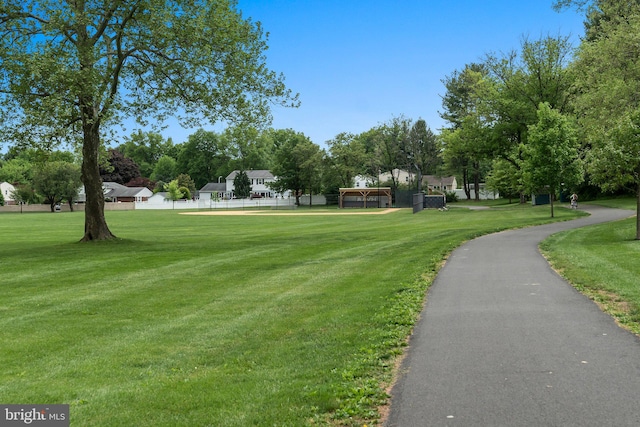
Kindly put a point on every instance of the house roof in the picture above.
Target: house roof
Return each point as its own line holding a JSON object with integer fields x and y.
{"x": 437, "y": 180}
{"x": 260, "y": 173}
{"x": 214, "y": 186}
{"x": 113, "y": 189}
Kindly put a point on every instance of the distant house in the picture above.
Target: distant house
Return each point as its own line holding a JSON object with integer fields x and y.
{"x": 214, "y": 191}
{"x": 398, "y": 175}
{"x": 119, "y": 193}
{"x": 7, "y": 193}
{"x": 440, "y": 183}
{"x": 259, "y": 180}
{"x": 159, "y": 197}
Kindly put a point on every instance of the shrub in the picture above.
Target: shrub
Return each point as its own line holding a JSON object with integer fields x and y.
{"x": 451, "y": 196}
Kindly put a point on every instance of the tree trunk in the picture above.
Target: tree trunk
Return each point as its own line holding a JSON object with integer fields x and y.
{"x": 476, "y": 180}
{"x": 95, "y": 225}
{"x": 551, "y": 202}
{"x": 465, "y": 183}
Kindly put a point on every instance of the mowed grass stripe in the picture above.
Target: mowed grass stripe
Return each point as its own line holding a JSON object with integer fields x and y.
{"x": 225, "y": 321}
{"x": 602, "y": 261}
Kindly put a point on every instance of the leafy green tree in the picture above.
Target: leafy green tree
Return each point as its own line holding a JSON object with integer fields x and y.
{"x": 465, "y": 150}
{"x": 462, "y": 93}
{"x": 346, "y": 159}
{"x": 251, "y": 149}
{"x": 505, "y": 179}
{"x": 165, "y": 169}
{"x": 57, "y": 181}
{"x": 72, "y": 69}
{"x": 607, "y": 71}
{"x": 467, "y": 141}
{"x": 185, "y": 181}
{"x": 310, "y": 157}
{"x": 74, "y": 182}
{"x": 173, "y": 191}
{"x": 18, "y": 170}
{"x": 601, "y": 14}
{"x": 613, "y": 161}
{"x": 297, "y": 163}
{"x": 145, "y": 149}
{"x": 1, "y": 199}
{"x": 24, "y": 194}
{"x": 392, "y": 141}
{"x": 242, "y": 185}
{"x": 552, "y": 154}
{"x": 522, "y": 80}
{"x": 205, "y": 156}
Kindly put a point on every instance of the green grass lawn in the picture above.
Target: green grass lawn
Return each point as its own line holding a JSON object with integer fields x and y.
{"x": 220, "y": 320}
{"x": 602, "y": 262}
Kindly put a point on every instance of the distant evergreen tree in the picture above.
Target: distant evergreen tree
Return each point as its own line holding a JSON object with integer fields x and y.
{"x": 242, "y": 185}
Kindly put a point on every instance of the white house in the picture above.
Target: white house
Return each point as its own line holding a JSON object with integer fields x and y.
{"x": 214, "y": 191}
{"x": 7, "y": 190}
{"x": 440, "y": 183}
{"x": 259, "y": 180}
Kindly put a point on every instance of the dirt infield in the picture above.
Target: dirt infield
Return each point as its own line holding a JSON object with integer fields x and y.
{"x": 294, "y": 212}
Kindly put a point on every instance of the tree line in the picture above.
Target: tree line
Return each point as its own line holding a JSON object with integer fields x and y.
{"x": 550, "y": 116}
{"x": 301, "y": 166}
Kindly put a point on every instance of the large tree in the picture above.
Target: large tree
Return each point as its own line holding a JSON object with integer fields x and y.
{"x": 551, "y": 158}
{"x": 347, "y": 158}
{"x": 297, "y": 162}
{"x": 425, "y": 148}
{"x": 601, "y": 14}
{"x": 523, "y": 79}
{"x": 607, "y": 70}
{"x": 57, "y": 181}
{"x": 119, "y": 168}
{"x": 72, "y": 68}
{"x": 466, "y": 109}
{"x": 205, "y": 156}
{"x": 146, "y": 148}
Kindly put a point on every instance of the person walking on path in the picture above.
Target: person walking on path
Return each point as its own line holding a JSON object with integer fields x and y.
{"x": 574, "y": 201}
{"x": 504, "y": 341}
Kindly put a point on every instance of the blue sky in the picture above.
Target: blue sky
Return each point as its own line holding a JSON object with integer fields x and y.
{"x": 359, "y": 63}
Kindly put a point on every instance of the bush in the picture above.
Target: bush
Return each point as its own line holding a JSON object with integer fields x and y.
{"x": 186, "y": 194}
{"x": 451, "y": 196}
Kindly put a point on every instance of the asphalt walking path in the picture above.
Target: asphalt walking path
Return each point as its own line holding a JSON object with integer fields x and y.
{"x": 504, "y": 341}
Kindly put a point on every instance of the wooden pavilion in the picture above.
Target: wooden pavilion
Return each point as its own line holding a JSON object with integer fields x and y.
{"x": 365, "y": 197}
